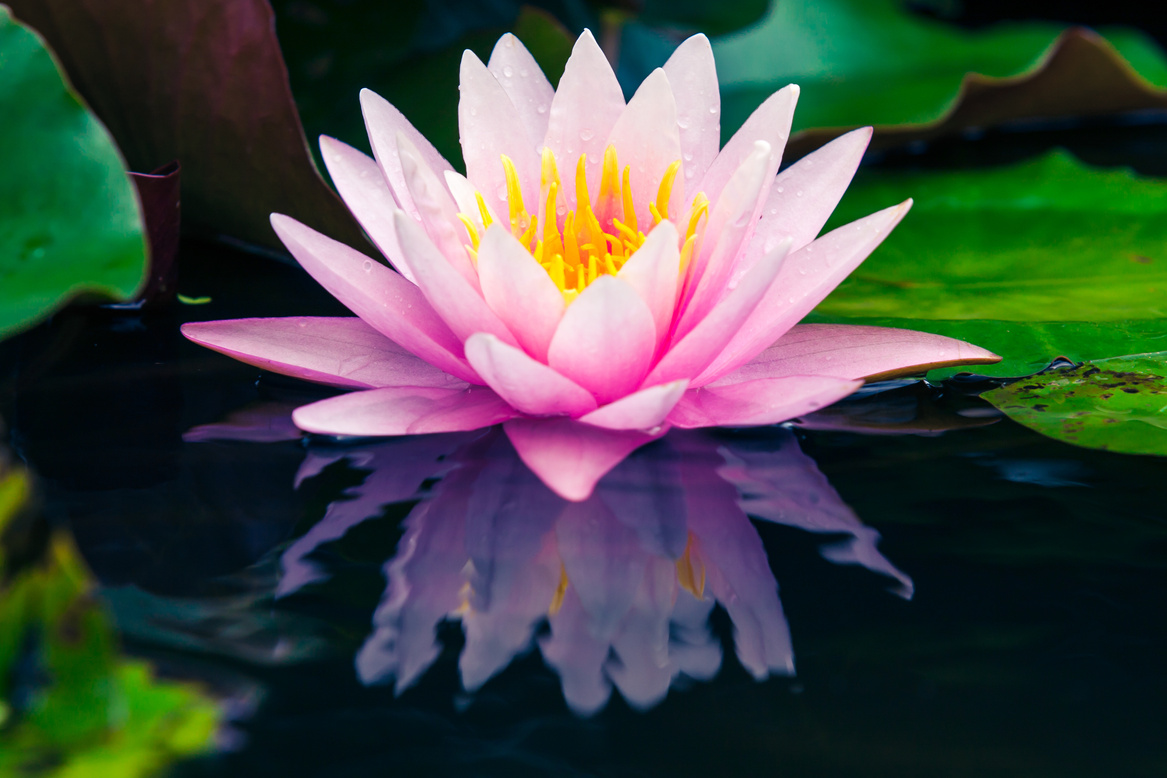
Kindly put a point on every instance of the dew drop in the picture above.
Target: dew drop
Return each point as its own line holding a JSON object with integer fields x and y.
{"x": 773, "y": 211}
{"x": 780, "y": 189}
{"x": 802, "y": 271}
{"x": 798, "y": 193}
{"x": 688, "y": 157}
{"x": 508, "y": 71}
{"x": 501, "y": 191}
{"x": 368, "y": 266}
{"x": 690, "y": 173}
{"x": 541, "y": 109}
{"x": 793, "y": 300}
{"x": 713, "y": 109}
{"x": 586, "y": 134}
{"x": 561, "y": 210}
{"x": 683, "y": 122}
{"x": 473, "y": 111}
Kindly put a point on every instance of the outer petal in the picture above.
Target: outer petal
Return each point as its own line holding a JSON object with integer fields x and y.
{"x": 807, "y": 276}
{"x": 586, "y": 106}
{"x": 336, "y": 351}
{"x": 605, "y": 340}
{"x": 383, "y": 122}
{"x": 646, "y": 137}
{"x": 518, "y": 289}
{"x": 569, "y": 456}
{"x": 384, "y": 299}
{"x": 489, "y": 126}
{"x": 641, "y": 410}
{"x": 524, "y": 83}
{"x": 359, "y": 180}
{"x": 528, "y": 386}
{"x": 805, "y": 194}
{"x": 653, "y": 272}
{"x": 849, "y": 351}
{"x": 697, "y": 349}
{"x": 730, "y": 225}
{"x": 755, "y": 403}
{"x": 693, "y": 76}
{"x": 459, "y": 305}
{"x": 770, "y": 122}
{"x": 404, "y": 410}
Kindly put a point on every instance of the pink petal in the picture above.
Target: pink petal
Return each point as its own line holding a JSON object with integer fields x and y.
{"x": 404, "y": 410}
{"x": 336, "y": 351}
{"x": 518, "y": 289}
{"x": 359, "y": 180}
{"x": 529, "y": 386}
{"x": 571, "y": 457}
{"x": 641, "y": 410}
{"x": 850, "y": 351}
{"x": 524, "y": 82}
{"x": 693, "y": 76}
{"x": 438, "y": 212}
{"x": 605, "y": 340}
{"x": 489, "y": 126}
{"x": 647, "y": 138}
{"x": 755, "y": 403}
{"x": 653, "y": 271}
{"x": 384, "y": 299}
{"x": 709, "y": 338}
{"x": 807, "y": 276}
{"x": 383, "y": 122}
{"x": 731, "y": 223}
{"x": 770, "y": 123}
{"x": 460, "y": 306}
{"x": 805, "y": 194}
{"x": 585, "y": 108}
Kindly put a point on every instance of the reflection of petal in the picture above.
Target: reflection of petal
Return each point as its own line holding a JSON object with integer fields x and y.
{"x": 578, "y": 656}
{"x": 398, "y": 468}
{"x": 783, "y": 485}
{"x": 645, "y": 494}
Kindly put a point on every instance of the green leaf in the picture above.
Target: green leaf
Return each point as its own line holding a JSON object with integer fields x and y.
{"x": 1034, "y": 261}
{"x": 863, "y": 62}
{"x": 1117, "y": 404}
{"x": 84, "y": 710}
{"x": 69, "y": 217}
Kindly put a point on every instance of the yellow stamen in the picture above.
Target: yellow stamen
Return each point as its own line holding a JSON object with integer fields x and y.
{"x": 665, "y": 192}
{"x": 629, "y": 205}
{"x": 483, "y": 210}
{"x": 518, "y": 212}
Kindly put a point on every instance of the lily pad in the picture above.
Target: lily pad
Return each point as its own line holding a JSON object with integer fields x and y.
{"x": 83, "y": 709}
{"x": 70, "y": 222}
{"x": 1034, "y": 261}
{"x": 863, "y": 62}
{"x": 202, "y": 82}
{"x": 1117, "y": 404}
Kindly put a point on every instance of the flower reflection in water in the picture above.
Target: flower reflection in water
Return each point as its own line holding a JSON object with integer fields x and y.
{"x": 625, "y": 580}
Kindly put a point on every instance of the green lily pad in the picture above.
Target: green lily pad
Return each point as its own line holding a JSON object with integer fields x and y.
{"x": 1033, "y": 261}
{"x": 87, "y": 710}
{"x": 863, "y": 62}
{"x": 70, "y": 222}
{"x": 1117, "y": 404}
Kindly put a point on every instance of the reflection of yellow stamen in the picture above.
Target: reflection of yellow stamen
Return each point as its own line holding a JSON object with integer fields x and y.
{"x": 560, "y": 591}
{"x": 691, "y": 571}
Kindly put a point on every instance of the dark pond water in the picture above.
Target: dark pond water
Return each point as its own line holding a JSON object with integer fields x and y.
{"x": 907, "y": 586}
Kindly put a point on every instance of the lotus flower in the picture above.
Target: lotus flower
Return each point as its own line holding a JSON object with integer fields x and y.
{"x": 602, "y": 271}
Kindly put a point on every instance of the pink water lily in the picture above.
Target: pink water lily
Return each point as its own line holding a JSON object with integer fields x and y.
{"x": 603, "y": 271}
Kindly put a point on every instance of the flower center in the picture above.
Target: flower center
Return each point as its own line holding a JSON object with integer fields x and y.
{"x": 576, "y": 247}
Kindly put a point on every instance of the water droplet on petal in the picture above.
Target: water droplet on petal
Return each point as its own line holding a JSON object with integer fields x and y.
{"x": 541, "y": 109}
{"x": 368, "y": 266}
{"x": 688, "y": 157}
{"x": 586, "y": 134}
{"x": 798, "y": 193}
{"x": 501, "y": 191}
{"x": 473, "y": 111}
{"x": 683, "y": 122}
{"x": 780, "y": 189}
{"x": 713, "y": 109}
{"x": 508, "y": 71}
{"x": 561, "y": 210}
